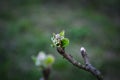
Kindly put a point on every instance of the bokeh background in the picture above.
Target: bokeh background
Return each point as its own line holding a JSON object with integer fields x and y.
{"x": 26, "y": 27}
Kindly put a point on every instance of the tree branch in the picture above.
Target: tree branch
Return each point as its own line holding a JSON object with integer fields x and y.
{"x": 87, "y": 66}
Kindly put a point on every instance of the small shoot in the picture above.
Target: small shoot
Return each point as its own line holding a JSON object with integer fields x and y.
{"x": 43, "y": 60}
{"x": 59, "y": 40}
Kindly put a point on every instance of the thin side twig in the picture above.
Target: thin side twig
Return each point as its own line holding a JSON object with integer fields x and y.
{"x": 87, "y": 67}
{"x": 46, "y": 73}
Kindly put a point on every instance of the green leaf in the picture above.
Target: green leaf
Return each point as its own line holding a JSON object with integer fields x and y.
{"x": 65, "y": 42}
{"x": 38, "y": 63}
{"x": 62, "y": 33}
{"x": 33, "y": 58}
{"x": 49, "y": 60}
{"x": 53, "y": 35}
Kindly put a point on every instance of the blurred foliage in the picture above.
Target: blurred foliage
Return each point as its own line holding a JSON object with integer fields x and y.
{"x": 26, "y": 27}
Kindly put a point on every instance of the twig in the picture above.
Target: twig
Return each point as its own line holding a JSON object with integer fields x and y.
{"x": 87, "y": 67}
{"x": 46, "y": 73}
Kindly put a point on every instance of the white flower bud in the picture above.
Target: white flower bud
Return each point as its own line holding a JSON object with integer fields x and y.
{"x": 82, "y": 49}
{"x": 41, "y": 56}
{"x": 57, "y": 36}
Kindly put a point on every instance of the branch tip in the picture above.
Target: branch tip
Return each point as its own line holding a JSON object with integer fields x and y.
{"x": 82, "y": 49}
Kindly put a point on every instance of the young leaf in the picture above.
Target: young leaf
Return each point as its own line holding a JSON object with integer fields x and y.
{"x": 33, "y": 58}
{"x": 62, "y": 33}
{"x": 53, "y": 34}
{"x": 65, "y": 42}
{"x": 49, "y": 60}
{"x": 38, "y": 63}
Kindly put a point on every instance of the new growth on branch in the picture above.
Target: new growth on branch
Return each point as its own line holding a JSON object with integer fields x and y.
{"x": 60, "y": 42}
{"x": 44, "y": 63}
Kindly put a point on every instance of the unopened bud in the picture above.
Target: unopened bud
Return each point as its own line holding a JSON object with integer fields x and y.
{"x": 41, "y": 55}
{"x": 82, "y": 49}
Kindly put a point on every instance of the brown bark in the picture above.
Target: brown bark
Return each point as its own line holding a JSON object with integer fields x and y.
{"x": 87, "y": 66}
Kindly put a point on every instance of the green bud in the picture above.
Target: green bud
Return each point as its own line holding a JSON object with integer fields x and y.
{"x": 49, "y": 60}
{"x": 62, "y": 33}
{"x": 65, "y": 42}
{"x": 59, "y": 39}
{"x": 43, "y": 60}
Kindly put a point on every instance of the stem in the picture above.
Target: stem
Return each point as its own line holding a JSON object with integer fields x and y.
{"x": 87, "y": 67}
{"x": 46, "y": 73}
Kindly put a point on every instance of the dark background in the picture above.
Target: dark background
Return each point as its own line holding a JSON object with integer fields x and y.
{"x": 27, "y": 25}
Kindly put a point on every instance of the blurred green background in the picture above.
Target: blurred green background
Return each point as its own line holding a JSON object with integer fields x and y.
{"x": 26, "y": 27}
